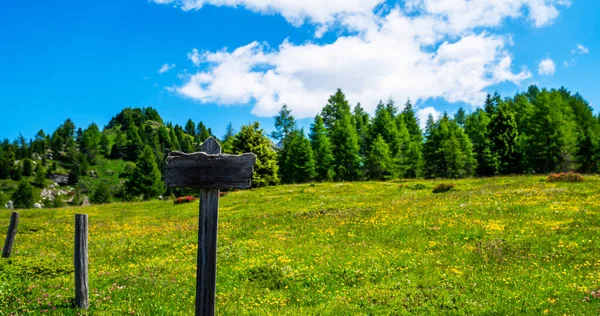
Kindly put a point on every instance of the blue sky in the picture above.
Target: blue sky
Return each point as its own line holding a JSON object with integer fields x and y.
{"x": 87, "y": 60}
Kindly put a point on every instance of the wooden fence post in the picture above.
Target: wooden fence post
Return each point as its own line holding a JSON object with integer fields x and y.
{"x": 10, "y": 235}
{"x": 81, "y": 261}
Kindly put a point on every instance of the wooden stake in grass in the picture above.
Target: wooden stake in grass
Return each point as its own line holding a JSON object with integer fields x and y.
{"x": 10, "y": 235}
{"x": 81, "y": 261}
{"x": 209, "y": 171}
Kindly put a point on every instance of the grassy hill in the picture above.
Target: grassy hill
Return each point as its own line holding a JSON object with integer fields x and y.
{"x": 493, "y": 246}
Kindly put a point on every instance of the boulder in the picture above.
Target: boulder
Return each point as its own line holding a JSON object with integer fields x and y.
{"x": 9, "y": 205}
{"x": 60, "y": 179}
{"x": 37, "y": 205}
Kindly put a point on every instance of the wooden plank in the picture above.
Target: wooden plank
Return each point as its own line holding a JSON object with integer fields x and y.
{"x": 81, "y": 261}
{"x": 10, "y": 235}
{"x": 206, "y": 274}
{"x": 204, "y": 170}
{"x": 206, "y": 269}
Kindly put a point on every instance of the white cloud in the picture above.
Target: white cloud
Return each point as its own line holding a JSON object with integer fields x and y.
{"x": 423, "y": 114}
{"x": 195, "y": 57}
{"x": 165, "y": 68}
{"x": 546, "y": 67}
{"x": 582, "y": 49}
{"x": 425, "y": 49}
{"x": 394, "y": 57}
{"x": 460, "y": 14}
{"x": 295, "y": 11}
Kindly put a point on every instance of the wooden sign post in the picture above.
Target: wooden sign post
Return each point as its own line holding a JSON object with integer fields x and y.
{"x": 208, "y": 171}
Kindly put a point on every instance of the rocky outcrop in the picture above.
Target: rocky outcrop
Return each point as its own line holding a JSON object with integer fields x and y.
{"x": 60, "y": 179}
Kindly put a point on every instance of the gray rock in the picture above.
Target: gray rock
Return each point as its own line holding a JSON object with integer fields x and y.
{"x": 9, "y": 205}
{"x": 37, "y": 205}
{"x": 60, "y": 179}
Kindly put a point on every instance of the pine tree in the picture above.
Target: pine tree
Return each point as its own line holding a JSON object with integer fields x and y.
{"x": 176, "y": 146}
{"x": 504, "y": 136}
{"x": 430, "y": 169}
{"x": 202, "y": 133}
{"x": 190, "y": 128}
{"x": 40, "y": 177}
{"x": 251, "y": 138}
{"x": 40, "y": 144}
{"x": 477, "y": 128}
{"x": 460, "y": 117}
{"x": 227, "y": 138}
{"x": 296, "y": 163}
{"x": 101, "y": 193}
{"x": 412, "y": 123}
{"x": 336, "y": 107}
{"x": 105, "y": 144}
{"x": 90, "y": 141}
{"x": 448, "y": 150}
{"x": 135, "y": 145}
{"x": 379, "y": 164}
{"x": 27, "y": 167}
{"x": 23, "y": 196}
{"x": 344, "y": 140}
{"x": 321, "y": 147}
{"x": 362, "y": 124}
{"x": 489, "y": 107}
{"x": 285, "y": 123}
{"x": 145, "y": 180}
{"x": 414, "y": 152}
{"x": 384, "y": 125}
{"x": 401, "y": 160}
{"x": 552, "y": 145}
{"x": 119, "y": 148}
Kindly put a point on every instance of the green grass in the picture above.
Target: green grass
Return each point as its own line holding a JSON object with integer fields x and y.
{"x": 508, "y": 245}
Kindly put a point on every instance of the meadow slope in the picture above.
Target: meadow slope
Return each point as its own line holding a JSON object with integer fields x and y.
{"x": 506, "y": 245}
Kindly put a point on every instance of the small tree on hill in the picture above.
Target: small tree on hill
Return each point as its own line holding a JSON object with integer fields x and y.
{"x": 145, "y": 179}
{"x": 251, "y": 138}
{"x": 27, "y": 167}
{"x": 23, "y": 196}
{"x": 101, "y": 193}
{"x": 40, "y": 177}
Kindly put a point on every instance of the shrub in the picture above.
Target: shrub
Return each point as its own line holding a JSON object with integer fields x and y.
{"x": 565, "y": 177}
{"x": 184, "y": 199}
{"x": 101, "y": 193}
{"x": 443, "y": 187}
{"x": 23, "y": 197}
{"x": 418, "y": 186}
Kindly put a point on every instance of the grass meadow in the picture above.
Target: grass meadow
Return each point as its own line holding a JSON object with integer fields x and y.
{"x": 499, "y": 246}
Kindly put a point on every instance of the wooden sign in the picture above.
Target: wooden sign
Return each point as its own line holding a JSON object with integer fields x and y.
{"x": 208, "y": 171}
{"x": 205, "y": 171}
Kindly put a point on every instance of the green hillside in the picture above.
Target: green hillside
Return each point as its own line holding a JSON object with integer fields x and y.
{"x": 539, "y": 131}
{"x": 504, "y": 245}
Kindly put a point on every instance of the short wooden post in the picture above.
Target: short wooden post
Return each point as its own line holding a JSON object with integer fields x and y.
{"x": 10, "y": 235}
{"x": 81, "y": 261}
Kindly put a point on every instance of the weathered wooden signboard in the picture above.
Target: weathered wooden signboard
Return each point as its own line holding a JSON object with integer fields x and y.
{"x": 209, "y": 171}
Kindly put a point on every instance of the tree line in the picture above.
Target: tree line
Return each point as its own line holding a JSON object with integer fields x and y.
{"x": 537, "y": 131}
